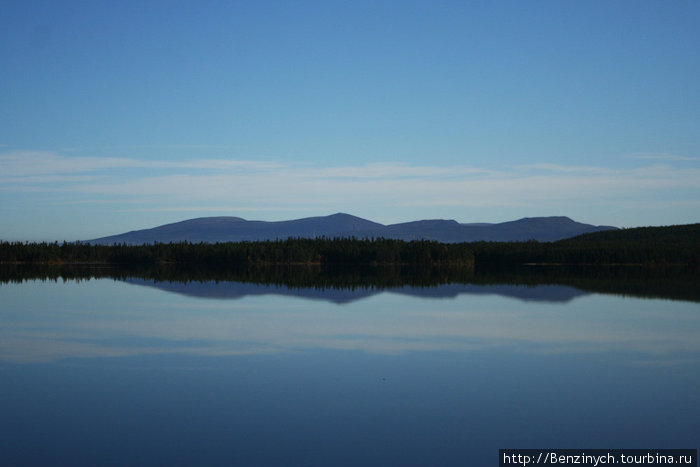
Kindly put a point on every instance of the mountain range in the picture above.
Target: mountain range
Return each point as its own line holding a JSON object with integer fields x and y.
{"x": 233, "y": 229}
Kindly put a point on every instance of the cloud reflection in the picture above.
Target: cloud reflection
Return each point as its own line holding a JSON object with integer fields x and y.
{"x": 111, "y": 319}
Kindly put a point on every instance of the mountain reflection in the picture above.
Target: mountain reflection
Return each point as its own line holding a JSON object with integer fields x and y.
{"x": 340, "y": 295}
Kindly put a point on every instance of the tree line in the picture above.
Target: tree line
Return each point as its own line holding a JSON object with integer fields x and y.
{"x": 291, "y": 251}
{"x": 655, "y": 246}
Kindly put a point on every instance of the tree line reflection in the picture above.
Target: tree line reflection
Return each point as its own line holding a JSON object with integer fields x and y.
{"x": 677, "y": 283}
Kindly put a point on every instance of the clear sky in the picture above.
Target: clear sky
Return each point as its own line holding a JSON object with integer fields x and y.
{"x": 121, "y": 115}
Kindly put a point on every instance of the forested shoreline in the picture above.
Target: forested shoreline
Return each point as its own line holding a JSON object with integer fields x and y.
{"x": 649, "y": 246}
{"x": 280, "y": 252}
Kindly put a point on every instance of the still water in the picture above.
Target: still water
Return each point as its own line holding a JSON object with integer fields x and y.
{"x": 135, "y": 372}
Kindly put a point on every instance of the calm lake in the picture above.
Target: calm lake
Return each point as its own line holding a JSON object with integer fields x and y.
{"x": 107, "y": 372}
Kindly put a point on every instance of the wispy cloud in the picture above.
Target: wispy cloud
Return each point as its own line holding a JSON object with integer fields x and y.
{"x": 246, "y": 185}
{"x": 662, "y": 157}
{"x": 211, "y": 178}
{"x": 33, "y": 163}
{"x": 565, "y": 168}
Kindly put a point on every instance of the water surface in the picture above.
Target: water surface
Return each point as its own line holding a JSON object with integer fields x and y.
{"x": 141, "y": 372}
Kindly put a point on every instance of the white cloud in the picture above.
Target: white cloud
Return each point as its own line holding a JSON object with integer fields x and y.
{"x": 287, "y": 187}
{"x": 33, "y": 163}
{"x": 267, "y": 186}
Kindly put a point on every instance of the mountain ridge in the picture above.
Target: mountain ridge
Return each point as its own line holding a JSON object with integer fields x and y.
{"x": 230, "y": 228}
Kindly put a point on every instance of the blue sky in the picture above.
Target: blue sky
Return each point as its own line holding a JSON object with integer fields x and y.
{"x": 117, "y": 116}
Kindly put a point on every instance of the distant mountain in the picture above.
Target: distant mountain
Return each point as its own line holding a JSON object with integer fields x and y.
{"x": 232, "y": 229}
